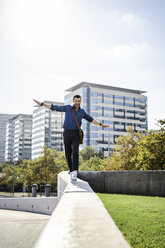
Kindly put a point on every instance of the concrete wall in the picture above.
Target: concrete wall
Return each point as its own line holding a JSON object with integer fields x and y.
{"x": 151, "y": 183}
{"x": 62, "y": 183}
{"x": 80, "y": 220}
{"x": 30, "y": 204}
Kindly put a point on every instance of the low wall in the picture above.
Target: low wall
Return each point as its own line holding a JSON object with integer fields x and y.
{"x": 79, "y": 220}
{"x": 151, "y": 183}
{"x": 30, "y": 204}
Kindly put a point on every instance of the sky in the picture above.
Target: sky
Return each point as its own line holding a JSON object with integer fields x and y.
{"x": 48, "y": 46}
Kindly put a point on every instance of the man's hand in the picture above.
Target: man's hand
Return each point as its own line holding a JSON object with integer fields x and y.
{"x": 99, "y": 124}
{"x": 38, "y": 103}
{"x": 104, "y": 126}
{"x": 43, "y": 104}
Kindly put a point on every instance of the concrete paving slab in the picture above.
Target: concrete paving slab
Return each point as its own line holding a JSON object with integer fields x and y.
{"x": 20, "y": 229}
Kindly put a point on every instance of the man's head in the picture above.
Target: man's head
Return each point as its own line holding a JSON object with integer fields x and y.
{"x": 77, "y": 100}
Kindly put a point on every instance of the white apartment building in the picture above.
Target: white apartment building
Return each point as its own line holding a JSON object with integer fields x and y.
{"x": 3, "y": 123}
{"x": 47, "y": 129}
{"x": 114, "y": 106}
{"x": 18, "y": 138}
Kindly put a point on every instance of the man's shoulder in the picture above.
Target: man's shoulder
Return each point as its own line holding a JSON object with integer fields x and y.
{"x": 68, "y": 106}
{"x": 82, "y": 109}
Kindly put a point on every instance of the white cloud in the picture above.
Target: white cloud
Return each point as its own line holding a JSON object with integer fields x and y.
{"x": 125, "y": 19}
{"x": 124, "y": 52}
{"x": 130, "y": 19}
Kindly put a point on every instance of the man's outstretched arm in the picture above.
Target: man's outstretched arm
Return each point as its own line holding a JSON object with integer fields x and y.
{"x": 99, "y": 124}
{"x": 42, "y": 104}
{"x": 90, "y": 119}
{"x": 59, "y": 108}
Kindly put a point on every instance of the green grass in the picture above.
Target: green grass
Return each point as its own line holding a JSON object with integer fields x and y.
{"x": 141, "y": 219}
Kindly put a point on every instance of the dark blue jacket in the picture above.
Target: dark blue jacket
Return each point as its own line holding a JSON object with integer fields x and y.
{"x": 69, "y": 122}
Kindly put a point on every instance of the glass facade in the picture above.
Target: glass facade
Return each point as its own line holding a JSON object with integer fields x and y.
{"x": 86, "y": 106}
{"x": 117, "y": 107}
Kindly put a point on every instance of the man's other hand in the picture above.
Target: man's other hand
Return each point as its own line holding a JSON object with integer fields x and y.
{"x": 104, "y": 126}
{"x": 38, "y": 103}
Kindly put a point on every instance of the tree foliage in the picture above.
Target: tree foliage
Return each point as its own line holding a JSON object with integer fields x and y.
{"x": 93, "y": 164}
{"x": 42, "y": 170}
{"x": 26, "y": 173}
{"x": 7, "y": 176}
{"x": 3, "y": 165}
{"x": 125, "y": 152}
{"x": 136, "y": 151}
{"x": 89, "y": 152}
{"x": 151, "y": 150}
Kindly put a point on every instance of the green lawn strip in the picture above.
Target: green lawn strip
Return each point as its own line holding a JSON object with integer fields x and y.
{"x": 141, "y": 219}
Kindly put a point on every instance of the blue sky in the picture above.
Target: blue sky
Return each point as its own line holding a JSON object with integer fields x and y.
{"x": 47, "y": 46}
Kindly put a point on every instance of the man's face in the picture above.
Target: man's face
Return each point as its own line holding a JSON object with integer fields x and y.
{"x": 77, "y": 102}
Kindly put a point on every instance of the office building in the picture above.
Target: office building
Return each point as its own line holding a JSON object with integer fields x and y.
{"x": 47, "y": 129}
{"x": 114, "y": 106}
{"x": 3, "y": 123}
{"x": 18, "y": 138}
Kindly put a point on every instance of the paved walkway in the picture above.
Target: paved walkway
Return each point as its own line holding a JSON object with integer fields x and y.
{"x": 20, "y": 229}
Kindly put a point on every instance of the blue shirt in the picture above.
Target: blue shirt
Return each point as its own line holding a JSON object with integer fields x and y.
{"x": 69, "y": 122}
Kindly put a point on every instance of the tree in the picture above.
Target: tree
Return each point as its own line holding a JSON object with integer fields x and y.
{"x": 110, "y": 163}
{"x": 3, "y": 165}
{"x": 7, "y": 177}
{"x": 136, "y": 151}
{"x": 93, "y": 164}
{"x": 151, "y": 149}
{"x": 161, "y": 125}
{"x": 46, "y": 164}
{"x": 60, "y": 164}
{"x": 125, "y": 152}
{"x": 25, "y": 172}
{"x": 42, "y": 170}
{"x": 89, "y": 152}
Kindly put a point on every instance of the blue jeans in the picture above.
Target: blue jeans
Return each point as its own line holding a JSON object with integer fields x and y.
{"x": 71, "y": 144}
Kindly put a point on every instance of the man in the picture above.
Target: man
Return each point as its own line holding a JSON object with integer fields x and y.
{"x": 71, "y": 132}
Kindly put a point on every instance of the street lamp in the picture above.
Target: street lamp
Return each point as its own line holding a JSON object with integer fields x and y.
{"x": 13, "y": 176}
{"x": 108, "y": 147}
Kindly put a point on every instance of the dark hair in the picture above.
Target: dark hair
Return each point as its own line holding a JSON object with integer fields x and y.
{"x": 76, "y": 96}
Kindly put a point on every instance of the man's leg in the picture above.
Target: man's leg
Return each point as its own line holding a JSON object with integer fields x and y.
{"x": 75, "y": 150}
{"x": 68, "y": 149}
